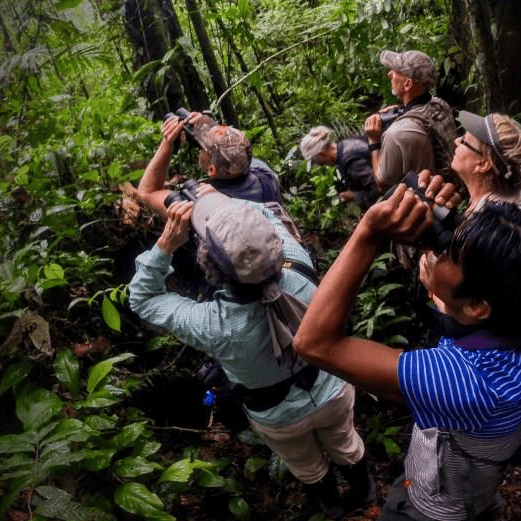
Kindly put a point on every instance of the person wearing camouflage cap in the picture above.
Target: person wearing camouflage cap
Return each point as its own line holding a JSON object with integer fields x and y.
{"x": 225, "y": 155}
{"x": 419, "y": 134}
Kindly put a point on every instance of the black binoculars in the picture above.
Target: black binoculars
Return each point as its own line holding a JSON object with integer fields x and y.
{"x": 182, "y": 113}
{"x": 186, "y": 193}
{"x": 446, "y": 220}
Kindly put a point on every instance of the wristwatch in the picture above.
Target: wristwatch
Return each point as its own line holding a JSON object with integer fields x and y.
{"x": 375, "y": 146}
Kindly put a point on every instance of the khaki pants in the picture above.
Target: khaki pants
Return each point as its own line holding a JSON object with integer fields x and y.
{"x": 309, "y": 444}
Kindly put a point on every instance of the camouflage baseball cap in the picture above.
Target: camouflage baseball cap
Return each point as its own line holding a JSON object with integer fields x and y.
{"x": 228, "y": 147}
{"x": 413, "y": 64}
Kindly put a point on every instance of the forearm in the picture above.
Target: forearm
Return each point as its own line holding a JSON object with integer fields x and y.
{"x": 321, "y": 338}
{"x": 152, "y": 268}
{"x": 330, "y": 308}
{"x": 151, "y": 188}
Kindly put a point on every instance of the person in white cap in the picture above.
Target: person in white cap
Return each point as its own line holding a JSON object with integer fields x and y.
{"x": 303, "y": 414}
{"x": 421, "y": 132}
{"x": 352, "y": 159}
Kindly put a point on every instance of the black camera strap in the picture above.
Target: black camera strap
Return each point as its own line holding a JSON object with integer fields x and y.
{"x": 303, "y": 269}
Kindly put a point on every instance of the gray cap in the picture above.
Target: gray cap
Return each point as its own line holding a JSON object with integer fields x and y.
{"x": 484, "y": 129}
{"x": 413, "y": 64}
{"x": 240, "y": 239}
{"x": 481, "y": 128}
{"x": 317, "y": 140}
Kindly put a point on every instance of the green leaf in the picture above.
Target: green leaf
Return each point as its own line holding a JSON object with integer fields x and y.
{"x": 95, "y": 460}
{"x": 134, "y": 467}
{"x": 66, "y": 369}
{"x": 181, "y": 471}
{"x": 19, "y": 461}
{"x": 59, "y": 504}
{"x": 98, "y": 372}
{"x": 390, "y": 431}
{"x": 128, "y": 435}
{"x": 99, "y": 400}
{"x": 111, "y": 314}
{"x": 37, "y": 408}
{"x": 71, "y": 429}
{"x": 67, "y": 4}
{"x": 101, "y": 422}
{"x": 391, "y": 447}
{"x": 13, "y": 375}
{"x": 210, "y": 479}
{"x": 254, "y": 463}
{"x": 239, "y": 508}
{"x": 53, "y": 271}
{"x": 137, "y": 499}
{"x": 145, "y": 448}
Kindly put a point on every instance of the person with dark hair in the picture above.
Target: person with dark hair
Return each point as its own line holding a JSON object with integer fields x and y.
{"x": 465, "y": 393}
{"x": 417, "y": 135}
{"x": 352, "y": 158}
{"x": 263, "y": 284}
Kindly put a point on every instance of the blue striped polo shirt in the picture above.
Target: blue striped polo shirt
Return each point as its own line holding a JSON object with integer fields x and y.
{"x": 475, "y": 391}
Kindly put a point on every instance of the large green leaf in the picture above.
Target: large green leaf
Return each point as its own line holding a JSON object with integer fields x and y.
{"x": 95, "y": 460}
{"x": 70, "y": 429}
{"x": 101, "y": 422}
{"x": 137, "y": 499}
{"x": 99, "y": 371}
{"x": 181, "y": 471}
{"x": 134, "y": 467}
{"x": 24, "y": 442}
{"x": 59, "y": 504}
{"x": 13, "y": 375}
{"x": 254, "y": 463}
{"x": 111, "y": 314}
{"x": 66, "y": 369}
{"x": 36, "y": 408}
{"x": 128, "y": 435}
{"x": 239, "y": 508}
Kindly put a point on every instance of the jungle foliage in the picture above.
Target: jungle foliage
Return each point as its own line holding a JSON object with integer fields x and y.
{"x": 81, "y": 99}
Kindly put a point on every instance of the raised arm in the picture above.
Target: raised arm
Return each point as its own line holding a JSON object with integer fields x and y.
{"x": 321, "y": 338}
{"x": 151, "y": 188}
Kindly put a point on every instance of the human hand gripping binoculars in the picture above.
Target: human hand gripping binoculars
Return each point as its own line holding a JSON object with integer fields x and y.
{"x": 439, "y": 236}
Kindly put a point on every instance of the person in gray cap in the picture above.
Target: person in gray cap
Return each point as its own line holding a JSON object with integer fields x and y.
{"x": 353, "y": 161}
{"x": 303, "y": 414}
{"x": 488, "y": 158}
{"x": 417, "y": 135}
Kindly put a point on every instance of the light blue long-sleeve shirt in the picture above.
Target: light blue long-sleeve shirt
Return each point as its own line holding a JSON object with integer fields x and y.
{"x": 235, "y": 334}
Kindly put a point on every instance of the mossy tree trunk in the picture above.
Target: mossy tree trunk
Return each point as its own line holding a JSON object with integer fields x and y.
{"x": 487, "y": 31}
{"x": 154, "y": 29}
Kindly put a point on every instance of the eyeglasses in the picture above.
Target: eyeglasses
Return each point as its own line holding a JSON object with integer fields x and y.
{"x": 468, "y": 145}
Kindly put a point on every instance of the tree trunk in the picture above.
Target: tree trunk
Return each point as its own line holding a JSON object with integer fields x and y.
{"x": 153, "y": 27}
{"x": 219, "y": 85}
{"x": 8, "y": 44}
{"x": 488, "y": 35}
